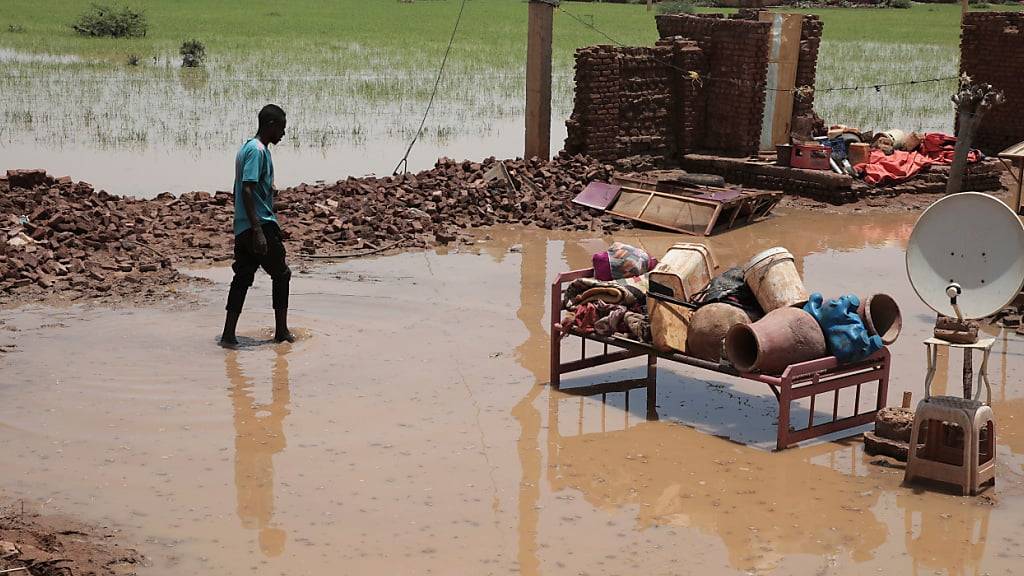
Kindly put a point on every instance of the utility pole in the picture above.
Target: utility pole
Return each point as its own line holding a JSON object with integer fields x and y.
{"x": 538, "y": 79}
{"x": 963, "y": 10}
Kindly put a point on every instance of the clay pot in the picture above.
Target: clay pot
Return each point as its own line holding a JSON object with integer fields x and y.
{"x": 881, "y": 316}
{"x": 784, "y": 336}
{"x": 708, "y": 328}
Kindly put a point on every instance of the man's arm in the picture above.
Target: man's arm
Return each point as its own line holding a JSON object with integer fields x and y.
{"x": 259, "y": 240}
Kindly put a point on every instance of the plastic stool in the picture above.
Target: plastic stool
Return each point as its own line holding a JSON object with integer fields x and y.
{"x": 971, "y": 465}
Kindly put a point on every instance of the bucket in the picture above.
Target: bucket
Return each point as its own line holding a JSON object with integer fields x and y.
{"x": 858, "y": 152}
{"x": 773, "y": 278}
{"x": 685, "y": 269}
{"x": 783, "y": 337}
{"x": 881, "y": 316}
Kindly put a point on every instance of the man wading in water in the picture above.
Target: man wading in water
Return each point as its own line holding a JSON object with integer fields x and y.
{"x": 257, "y": 235}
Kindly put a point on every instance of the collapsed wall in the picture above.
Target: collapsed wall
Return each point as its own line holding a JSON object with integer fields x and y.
{"x": 623, "y": 102}
{"x": 709, "y": 75}
{"x": 992, "y": 51}
{"x": 736, "y": 77}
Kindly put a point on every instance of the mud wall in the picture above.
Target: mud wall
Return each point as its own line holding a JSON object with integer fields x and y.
{"x": 701, "y": 87}
{"x": 624, "y": 103}
{"x": 992, "y": 50}
{"x": 807, "y": 66}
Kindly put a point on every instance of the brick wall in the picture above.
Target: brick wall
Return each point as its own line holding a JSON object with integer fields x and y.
{"x": 738, "y": 70}
{"x": 690, "y": 104}
{"x": 633, "y": 101}
{"x": 624, "y": 103}
{"x": 737, "y": 61}
{"x": 807, "y": 67}
{"x": 992, "y": 51}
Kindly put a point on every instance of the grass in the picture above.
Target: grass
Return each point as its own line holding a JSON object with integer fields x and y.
{"x": 362, "y": 70}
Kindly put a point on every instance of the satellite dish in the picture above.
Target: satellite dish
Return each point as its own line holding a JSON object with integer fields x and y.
{"x": 968, "y": 248}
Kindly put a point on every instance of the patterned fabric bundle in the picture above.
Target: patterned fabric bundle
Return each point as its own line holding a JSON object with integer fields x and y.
{"x": 622, "y": 261}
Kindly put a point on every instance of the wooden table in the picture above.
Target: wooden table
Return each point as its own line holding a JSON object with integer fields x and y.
{"x": 1014, "y": 157}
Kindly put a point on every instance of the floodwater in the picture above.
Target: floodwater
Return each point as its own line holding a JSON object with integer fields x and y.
{"x": 410, "y": 430}
{"x": 152, "y": 128}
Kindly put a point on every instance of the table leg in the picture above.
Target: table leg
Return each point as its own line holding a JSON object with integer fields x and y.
{"x": 932, "y": 354}
{"x": 983, "y": 377}
{"x": 968, "y": 372}
{"x": 1020, "y": 186}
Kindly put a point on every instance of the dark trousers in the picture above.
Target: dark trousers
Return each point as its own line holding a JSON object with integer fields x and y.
{"x": 247, "y": 262}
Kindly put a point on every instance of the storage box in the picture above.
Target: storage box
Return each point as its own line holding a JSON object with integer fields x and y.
{"x": 811, "y": 157}
{"x": 685, "y": 269}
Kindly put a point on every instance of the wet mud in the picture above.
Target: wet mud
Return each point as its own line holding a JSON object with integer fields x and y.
{"x": 410, "y": 430}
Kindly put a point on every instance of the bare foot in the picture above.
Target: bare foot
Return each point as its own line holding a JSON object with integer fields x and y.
{"x": 285, "y": 336}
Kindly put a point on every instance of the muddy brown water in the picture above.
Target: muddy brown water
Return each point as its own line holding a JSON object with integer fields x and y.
{"x": 409, "y": 430}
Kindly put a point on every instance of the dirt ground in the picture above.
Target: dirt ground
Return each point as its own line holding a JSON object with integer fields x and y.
{"x": 540, "y": 490}
{"x": 57, "y": 545}
{"x": 409, "y": 430}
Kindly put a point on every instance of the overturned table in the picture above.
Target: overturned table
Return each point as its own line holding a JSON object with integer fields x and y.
{"x": 804, "y": 380}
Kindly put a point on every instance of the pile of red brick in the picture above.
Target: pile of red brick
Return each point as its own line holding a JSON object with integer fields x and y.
{"x": 60, "y": 236}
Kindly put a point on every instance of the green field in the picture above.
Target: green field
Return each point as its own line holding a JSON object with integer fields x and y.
{"x": 358, "y": 72}
{"x": 493, "y": 31}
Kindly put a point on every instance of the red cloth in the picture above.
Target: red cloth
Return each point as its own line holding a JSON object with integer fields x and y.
{"x": 896, "y": 167}
{"x": 939, "y": 147}
{"x": 936, "y": 148}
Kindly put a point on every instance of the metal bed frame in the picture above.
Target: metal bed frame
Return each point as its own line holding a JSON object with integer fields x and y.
{"x": 804, "y": 380}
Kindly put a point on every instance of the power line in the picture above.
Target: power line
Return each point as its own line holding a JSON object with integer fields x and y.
{"x": 405, "y": 159}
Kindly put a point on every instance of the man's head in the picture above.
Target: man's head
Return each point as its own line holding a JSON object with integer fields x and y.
{"x": 272, "y": 123}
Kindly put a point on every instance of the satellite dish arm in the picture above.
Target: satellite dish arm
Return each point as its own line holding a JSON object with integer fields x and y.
{"x": 953, "y": 291}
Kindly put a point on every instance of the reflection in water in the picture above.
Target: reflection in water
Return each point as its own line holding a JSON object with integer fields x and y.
{"x": 259, "y": 434}
{"x": 764, "y": 506}
{"x": 952, "y": 541}
{"x": 532, "y": 353}
{"x": 778, "y": 504}
{"x": 194, "y": 79}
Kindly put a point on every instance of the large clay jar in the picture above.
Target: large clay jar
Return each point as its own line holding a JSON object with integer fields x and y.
{"x": 708, "y": 328}
{"x": 784, "y": 336}
{"x": 881, "y": 316}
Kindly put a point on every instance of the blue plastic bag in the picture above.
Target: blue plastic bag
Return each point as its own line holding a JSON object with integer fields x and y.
{"x": 845, "y": 334}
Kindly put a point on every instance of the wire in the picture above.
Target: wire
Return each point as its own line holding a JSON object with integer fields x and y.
{"x": 404, "y": 162}
{"x": 800, "y": 92}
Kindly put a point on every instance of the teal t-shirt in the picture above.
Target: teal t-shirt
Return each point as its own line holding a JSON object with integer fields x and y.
{"x": 253, "y": 164}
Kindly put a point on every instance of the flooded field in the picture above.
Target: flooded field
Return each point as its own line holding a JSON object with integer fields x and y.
{"x": 410, "y": 430}
{"x": 354, "y": 103}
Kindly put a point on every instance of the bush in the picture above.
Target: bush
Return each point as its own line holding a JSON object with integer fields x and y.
{"x": 103, "y": 20}
{"x": 904, "y": 4}
{"x": 193, "y": 52}
{"x": 133, "y": 60}
{"x": 676, "y": 7}
{"x": 15, "y": 28}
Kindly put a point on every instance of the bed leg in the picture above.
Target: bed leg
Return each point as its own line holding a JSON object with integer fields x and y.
{"x": 556, "y": 336}
{"x": 883, "y": 382}
{"x": 785, "y": 389}
{"x": 652, "y": 387}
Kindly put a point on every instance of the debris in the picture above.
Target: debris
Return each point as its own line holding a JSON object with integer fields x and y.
{"x": 78, "y": 240}
{"x": 21, "y": 239}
